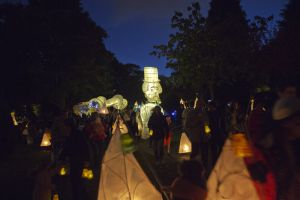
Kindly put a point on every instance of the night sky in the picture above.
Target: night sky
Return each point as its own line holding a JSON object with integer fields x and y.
{"x": 135, "y": 26}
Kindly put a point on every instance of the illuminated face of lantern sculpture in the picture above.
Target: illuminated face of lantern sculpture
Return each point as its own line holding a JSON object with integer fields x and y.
{"x": 151, "y": 86}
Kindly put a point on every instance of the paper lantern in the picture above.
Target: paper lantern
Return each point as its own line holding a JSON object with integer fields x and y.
{"x": 207, "y": 129}
{"x": 87, "y": 173}
{"x": 118, "y": 102}
{"x": 185, "y": 145}
{"x": 46, "y": 140}
{"x": 230, "y": 178}
{"x": 63, "y": 171}
{"x": 122, "y": 178}
{"x": 55, "y": 197}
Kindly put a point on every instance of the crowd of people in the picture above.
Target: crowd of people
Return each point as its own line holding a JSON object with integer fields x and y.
{"x": 271, "y": 125}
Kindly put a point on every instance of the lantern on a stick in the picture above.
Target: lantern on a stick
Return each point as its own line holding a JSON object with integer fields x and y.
{"x": 122, "y": 178}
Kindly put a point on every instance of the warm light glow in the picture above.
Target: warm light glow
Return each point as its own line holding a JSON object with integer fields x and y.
{"x": 46, "y": 139}
{"x": 55, "y": 197}
{"x": 185, "y": 145}
{"x": 252, "y": 104}
{"x": 87, "y": 173}
{"x": 240, "y": 145}
{"x": 13, "y": 116}
{"x": 151, "y": 132}
{"x": 186, "y": 148}
{"x": 104, "y": 110}
{"x": 207, "y": 129}
{"x": 84, "y": 173}
{"x": 62, "y": 171}
{"x": 90, "y": 174}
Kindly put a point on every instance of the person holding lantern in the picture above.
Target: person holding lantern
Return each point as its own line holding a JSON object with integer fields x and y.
{"x": 158, "y": 124}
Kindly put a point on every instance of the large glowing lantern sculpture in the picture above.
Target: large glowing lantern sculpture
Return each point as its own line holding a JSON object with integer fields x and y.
{"x": 46, "y": 140}
{"x": 230, "y": 178}
{"x": 100, "y": 105}
{"x": 151, "y": 88}
{"x": 122, "y": 178}
{"x": 185, "y": 145}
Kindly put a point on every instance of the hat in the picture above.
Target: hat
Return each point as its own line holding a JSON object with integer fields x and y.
{"x": 285, "y": 108}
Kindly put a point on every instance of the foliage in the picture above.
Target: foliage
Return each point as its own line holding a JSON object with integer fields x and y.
{"x": 53, "y": 52}
{"x": 283, "y": 53}
{"x": 215, "y": 55}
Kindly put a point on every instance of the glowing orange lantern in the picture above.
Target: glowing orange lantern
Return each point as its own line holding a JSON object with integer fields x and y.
{"x": 240, "y": 145}
{"x": 46, "y": 140}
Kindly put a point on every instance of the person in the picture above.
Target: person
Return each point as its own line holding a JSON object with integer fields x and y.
{"x": 217, "y": 137}
{"x": 43, "y": 183}
{"x": 95, "y": 131}
{"x": 284, "y": 153}
{"x": 76, "y": 149}
{"x": 189, "y": 185}
{"x": 194, "y": 127}
{"x": 286, "y": 90}
{"x": 158, "y": 124}
{"x": 133, "y": 125}
{"x": 236, "y": 118}
{"x": 169, "y": 135}
{"x": 60, "y": 132}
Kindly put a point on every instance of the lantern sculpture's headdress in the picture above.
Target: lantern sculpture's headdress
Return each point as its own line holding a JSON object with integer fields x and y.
{"x": 151, "y": 86}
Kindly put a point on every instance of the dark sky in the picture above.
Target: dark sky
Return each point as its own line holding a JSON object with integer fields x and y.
{"x": 135, "y": 26}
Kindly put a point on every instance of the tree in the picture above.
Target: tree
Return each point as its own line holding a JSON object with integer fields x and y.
{"x": 283, "y": 53}
{"x": 56, "y": 52}
{"x": 215, "y": 56}
{"x": 185, "y": 49}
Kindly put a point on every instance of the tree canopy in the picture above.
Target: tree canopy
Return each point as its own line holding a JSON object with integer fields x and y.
{"x": 215, "y": 55}
{"x": 52, "y": 51}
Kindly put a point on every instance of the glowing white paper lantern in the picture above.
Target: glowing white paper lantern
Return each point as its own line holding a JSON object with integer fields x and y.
{"x": 230, "y": 178}
{"x": 185, "y": 145}
{"x": 122, "y": 178}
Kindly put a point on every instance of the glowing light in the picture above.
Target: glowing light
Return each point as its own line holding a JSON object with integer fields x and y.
{"x": 174, "y": 113}
{"x": 240, "y": 145}
{"x": 90, "y": 174}
{"x": 185, "y": 145}
{"x": 186, "y": 148}
{"x": 87, "y": 173}
{"x": 252, "y": 104}
{"x": 62, "y": 171}
{"x": 13, "y": 116}
{"x": 151, "y": 132}
{"x": 55, "y": 197}
{"x": 207, "y": 129}
{"x": 104, "y": 110}
{"x": 46, "y": 139}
